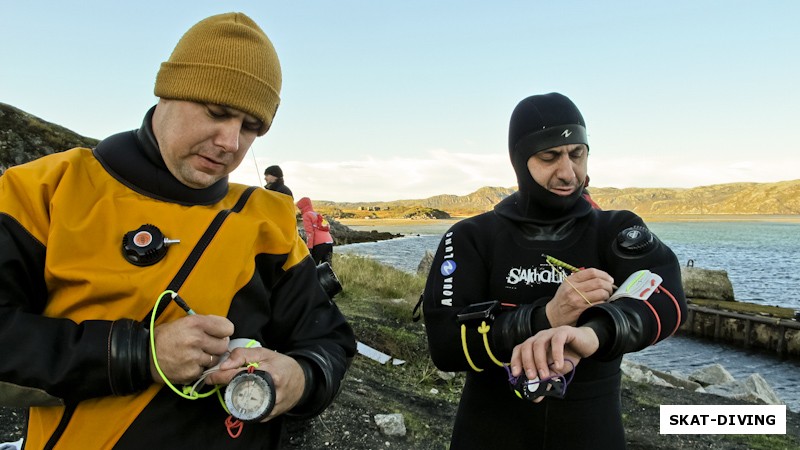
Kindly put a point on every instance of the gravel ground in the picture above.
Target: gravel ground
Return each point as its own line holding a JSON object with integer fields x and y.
{"x": 373, "y": 389}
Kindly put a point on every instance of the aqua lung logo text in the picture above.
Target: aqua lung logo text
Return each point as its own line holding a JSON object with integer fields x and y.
{"x": 533, "y": 275}
{"x": 447, "y": 268}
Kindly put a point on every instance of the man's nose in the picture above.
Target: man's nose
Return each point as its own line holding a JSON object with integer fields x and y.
{"x": 228, "y": 136}
{"x": 564, "y": 169}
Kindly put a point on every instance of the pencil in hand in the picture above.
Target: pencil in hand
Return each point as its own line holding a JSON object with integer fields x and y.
{"x": 182, "y": 303}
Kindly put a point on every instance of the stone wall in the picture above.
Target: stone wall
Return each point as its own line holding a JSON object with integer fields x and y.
{"x": 781, "y": 336}
{"x": 706, "y": 284}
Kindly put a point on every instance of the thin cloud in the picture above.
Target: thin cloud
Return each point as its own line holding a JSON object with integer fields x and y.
{"x": 384, "y": 179}
{"x": 445, "y": 172}
{"x": 685, "y": 172}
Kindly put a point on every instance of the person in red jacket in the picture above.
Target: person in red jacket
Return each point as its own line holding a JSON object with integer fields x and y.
{"x": 318, "y": 235}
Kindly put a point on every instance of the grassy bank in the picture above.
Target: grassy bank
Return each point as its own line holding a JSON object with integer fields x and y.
{"x": 378, "y": 301}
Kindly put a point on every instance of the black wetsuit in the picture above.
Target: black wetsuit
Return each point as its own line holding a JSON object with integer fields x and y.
{"x": 278, "y": 186}
{"x": 498, "y": 256}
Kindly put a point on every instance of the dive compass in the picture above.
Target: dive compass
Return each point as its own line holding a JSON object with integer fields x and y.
{"x": 250, "y": 396}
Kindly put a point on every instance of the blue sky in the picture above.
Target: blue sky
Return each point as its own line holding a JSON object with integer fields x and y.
{"x": 397, "y": 100}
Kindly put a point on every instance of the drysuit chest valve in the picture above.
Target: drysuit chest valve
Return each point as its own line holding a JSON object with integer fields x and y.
{"x": 146, "y": 245}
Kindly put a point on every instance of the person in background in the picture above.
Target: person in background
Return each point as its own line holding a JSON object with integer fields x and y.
{"x": 90, "y": 245}
{"x": 519, "y": 298}
{"x": 273, "y": 175}
{"x": 318, "y": 235}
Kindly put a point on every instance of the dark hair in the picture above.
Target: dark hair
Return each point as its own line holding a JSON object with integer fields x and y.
{"x": 275, "y": 171}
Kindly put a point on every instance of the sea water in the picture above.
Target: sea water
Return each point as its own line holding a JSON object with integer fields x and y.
{"x": 760, "y": 259}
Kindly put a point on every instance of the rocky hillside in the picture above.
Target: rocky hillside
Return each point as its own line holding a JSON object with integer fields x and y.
{"x": 484, "y": 198}
{"x": 24, "y": 137}
{"x": 479, "y": 201}
{"x": 735, "y": 198}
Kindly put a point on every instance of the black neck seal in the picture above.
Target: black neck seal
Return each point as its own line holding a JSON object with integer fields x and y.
{"x": 521, "y": 208}
{"x": 134, "y": 159}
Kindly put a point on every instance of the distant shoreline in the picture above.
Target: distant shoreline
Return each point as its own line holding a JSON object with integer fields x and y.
{"x": 722, "y": 218}
{"x": 391, "y": 222}
{"x": 361, "y": 223}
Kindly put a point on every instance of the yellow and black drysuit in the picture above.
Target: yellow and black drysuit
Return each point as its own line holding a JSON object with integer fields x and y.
{"x": 74, "y": 312}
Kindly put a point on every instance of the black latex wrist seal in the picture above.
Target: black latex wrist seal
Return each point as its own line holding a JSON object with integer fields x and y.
{"x": 309, "y": 377}
{"x": 512, "y": 328}
{"x": 618, "y": 332}
{"x": 321, "y": 388}
{"x": 539, "y": 320}
{"x": 128, "y": 357}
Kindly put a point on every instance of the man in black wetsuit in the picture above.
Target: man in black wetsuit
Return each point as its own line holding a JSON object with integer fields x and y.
{"x": 273, "y": 175}
{"x": 498, "y": 308}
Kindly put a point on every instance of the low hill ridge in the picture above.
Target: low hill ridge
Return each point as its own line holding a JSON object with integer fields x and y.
{"x": 779, "y": 198}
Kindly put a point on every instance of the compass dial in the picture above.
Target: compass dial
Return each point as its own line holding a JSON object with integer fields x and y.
{"x": 250, "y": 396}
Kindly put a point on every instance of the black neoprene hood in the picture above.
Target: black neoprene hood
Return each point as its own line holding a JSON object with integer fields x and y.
{"x": 540, "y": 122}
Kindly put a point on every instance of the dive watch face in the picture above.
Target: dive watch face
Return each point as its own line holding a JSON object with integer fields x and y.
{"x": 250, "y": 396}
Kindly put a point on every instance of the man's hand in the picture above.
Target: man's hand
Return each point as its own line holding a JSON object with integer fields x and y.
{"x": 286, "y": 373}
{"x": 565, "y": 307}
{"x": 187, "y": 346}
{"x": 545, "y": 351}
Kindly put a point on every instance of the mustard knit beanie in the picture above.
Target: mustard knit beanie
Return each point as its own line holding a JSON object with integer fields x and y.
{"x": 227, "y": 60}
